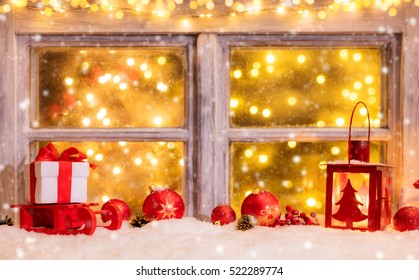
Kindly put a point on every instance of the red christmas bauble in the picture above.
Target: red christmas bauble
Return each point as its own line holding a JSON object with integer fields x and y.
{"x": 416, "y": 184}
{"x": 123, "y": 207}
{"x": 92, "y": 79}
{"x": 406, "y": 218}
{"x": 262, "y": 205}
{"x": 163, "y": 204}
{"x": 53, "y": 112}
{"x": 223, "y": 215}
{"x": 68, "y": 100}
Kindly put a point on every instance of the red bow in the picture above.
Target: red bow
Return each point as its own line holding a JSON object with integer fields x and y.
{"x": 49, "y": 153}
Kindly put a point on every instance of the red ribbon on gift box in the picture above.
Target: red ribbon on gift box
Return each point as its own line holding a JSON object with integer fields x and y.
{"x": 50, "y": 153}
{"x": 67, "y": 157}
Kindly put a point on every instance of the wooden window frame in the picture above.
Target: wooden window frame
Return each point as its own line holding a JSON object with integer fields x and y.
{"x": 207, "y": 134}
{"x": 217, "y": 135}
{"x": 28, "y": 95}
{"x": 208, "y": 88}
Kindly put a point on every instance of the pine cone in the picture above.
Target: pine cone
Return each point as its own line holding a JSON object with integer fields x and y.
{"x": 6, "y": 221}
{"x": 140, "y": 220}
{"x": 246, "y": 222}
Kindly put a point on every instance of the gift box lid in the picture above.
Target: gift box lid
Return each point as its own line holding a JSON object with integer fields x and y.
{"x": 51, "y": 169}
{"x": 409, "y": 194}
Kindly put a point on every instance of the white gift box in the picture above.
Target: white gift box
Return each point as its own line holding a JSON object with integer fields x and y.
{"x": 410, "y": 197}
{"x": 56, "y": 182}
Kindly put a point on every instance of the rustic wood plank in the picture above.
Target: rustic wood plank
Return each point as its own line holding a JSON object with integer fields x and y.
{"x": 306, "y": 134}
{"x": 212, "y": 143}
{"x": 8, "y": 184}
{"x": 410, "y": 85}
{"x": 205, "y": 194}
{"x": 265, "y": 21}
{"x": 395, "y": 112}
{"x": 164, "y": 134}
{"x": 189, "y": 131}
{"x": 222, "y": 121}
{"x": 3, "y": 90}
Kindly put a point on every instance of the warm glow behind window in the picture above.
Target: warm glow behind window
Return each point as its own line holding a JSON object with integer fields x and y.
{"x": 295, "y": 174}
{"x": 132, "y": 85}
{"x": 126, "y": 171}
{"x": 305, "y": 86}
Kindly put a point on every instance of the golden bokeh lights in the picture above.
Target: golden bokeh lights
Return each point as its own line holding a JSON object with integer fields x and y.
{"x": 110, "y": 87}
{"x": 206, "y": 9}
{"x": 301, "y": 59}
{"x": 320, "y": 79}
{"x": 301, "y": 91}
{"x": 315, "y": 86}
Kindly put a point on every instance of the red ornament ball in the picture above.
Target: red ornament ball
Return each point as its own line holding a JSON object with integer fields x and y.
{"x": 53, "y": 112}
{"x": 223, "y": 215}
{"x": 416, "y": 184}
{"x": 406, "y": 218}
{"x": 262, "y": 205}
{"x": 122, "y": 206}
{"x": 163, "y": 204}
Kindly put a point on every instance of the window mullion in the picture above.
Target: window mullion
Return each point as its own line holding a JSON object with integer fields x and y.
{"x": 211, "y": 141}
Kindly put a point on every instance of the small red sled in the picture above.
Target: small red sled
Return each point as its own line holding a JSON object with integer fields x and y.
{"x": 67, "y": 219}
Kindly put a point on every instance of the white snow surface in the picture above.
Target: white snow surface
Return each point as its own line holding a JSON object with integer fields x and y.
{"x": 192, "y": 239}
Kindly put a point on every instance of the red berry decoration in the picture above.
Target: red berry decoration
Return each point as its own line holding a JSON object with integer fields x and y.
{"x": 406, "y": 218}
{"x": 262, "y": 205}
{"x": 416, "y": 184}
{"x": 295, "y": 217}
{"x": 123, "y": 207}
{"x": 223, "y": 215}
{"x": 163, "y": 204}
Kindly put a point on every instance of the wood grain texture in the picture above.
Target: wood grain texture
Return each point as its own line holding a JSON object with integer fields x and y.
{"x": 205, "y": 194}
{"x": 8, "y": 184}
{"x": 410, "y": 97}
{"x": 267, "y": 21}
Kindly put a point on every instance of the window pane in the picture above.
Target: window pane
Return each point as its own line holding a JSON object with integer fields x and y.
{"x": 109, "y": 87}
{"x": 293, "y": 171}
{"x": 127, "y": 169}
{"x": 317, "y": 87}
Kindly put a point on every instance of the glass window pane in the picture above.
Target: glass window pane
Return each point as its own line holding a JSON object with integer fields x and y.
{"x": 293, "y": 171}
{"x": 125, "y": 170}
{"x": 316, "y": 87}
{"x": 109, "y": 87}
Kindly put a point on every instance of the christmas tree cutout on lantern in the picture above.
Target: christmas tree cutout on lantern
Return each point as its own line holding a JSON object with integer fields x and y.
{"x": 349, "y": 211}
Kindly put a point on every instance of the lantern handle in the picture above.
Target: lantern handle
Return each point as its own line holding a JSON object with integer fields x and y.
{"x": 350, "y": 128}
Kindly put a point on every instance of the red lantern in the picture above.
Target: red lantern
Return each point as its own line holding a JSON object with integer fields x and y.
{"x": 358, "y": 193}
